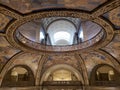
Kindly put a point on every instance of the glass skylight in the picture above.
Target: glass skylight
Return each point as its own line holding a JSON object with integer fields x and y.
{"x": 61, "y": 35}
{"x": 41, "y": 36}
{"x": 81, "y": 33}
{"x": 61, "y": 32}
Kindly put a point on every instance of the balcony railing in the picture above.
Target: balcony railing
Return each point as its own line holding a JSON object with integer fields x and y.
{"x": 62, "y": 83}
{"x": 107, "y": 83}
{"x": 21, "y": 38}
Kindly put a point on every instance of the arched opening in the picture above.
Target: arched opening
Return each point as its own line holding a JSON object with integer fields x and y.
{"x": 19, "y": 76}
{"x": 62, "y": 76}
{"x": 104, "y": 75}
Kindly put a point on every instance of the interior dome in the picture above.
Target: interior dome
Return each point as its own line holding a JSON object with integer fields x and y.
{"x": 59, "y": 31}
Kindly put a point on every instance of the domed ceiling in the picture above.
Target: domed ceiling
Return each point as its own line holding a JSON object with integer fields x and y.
{"x": 29, "y": 15}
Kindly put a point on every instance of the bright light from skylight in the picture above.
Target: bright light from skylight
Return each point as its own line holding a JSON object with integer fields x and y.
{"x": 81, "y": 34}
{"x": 61, "y": 32}
{"x": 41, "y": 36}
{"x": 61, "y": 35}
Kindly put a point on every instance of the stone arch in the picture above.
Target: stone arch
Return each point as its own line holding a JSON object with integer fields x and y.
{"x": 61, "y": 66}
{"x": 24, "y": 79}
{"x": 83, "y": 68}
{"x": 105, "y": 82}
{"x": 9, "y": 63}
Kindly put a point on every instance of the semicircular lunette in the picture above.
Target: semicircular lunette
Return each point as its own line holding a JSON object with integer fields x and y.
{"x": 59, "y": 34}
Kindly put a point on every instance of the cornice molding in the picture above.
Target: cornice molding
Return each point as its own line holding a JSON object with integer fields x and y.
{"x": 39, "y": 69}
{"x": 10, "y": 13}
{"x": 106, "y": 8}
{"x": 2, "y": 34}
{"x": 83, "y": 67}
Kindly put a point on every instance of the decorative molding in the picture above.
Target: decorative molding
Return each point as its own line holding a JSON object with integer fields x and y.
{"x": 106, "y": 8}
{"x": 83, "y": 67}
{"x": 49, "y": 48}
{"x": 38, "y": 73}
{"x": 108, "y": 29}
{"x": 9, "y": 13}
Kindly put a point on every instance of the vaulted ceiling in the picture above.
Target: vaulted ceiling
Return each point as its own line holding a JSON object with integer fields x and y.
{"x": 14, "y": 13}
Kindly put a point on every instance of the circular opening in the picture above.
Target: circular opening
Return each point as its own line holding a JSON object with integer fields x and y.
{"x": 60, "y": 32}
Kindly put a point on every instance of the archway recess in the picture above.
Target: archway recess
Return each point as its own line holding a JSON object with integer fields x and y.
{"x": 104, "y": 75}
{"x": 68, "y": 68}
{"x": 19, "y": 76}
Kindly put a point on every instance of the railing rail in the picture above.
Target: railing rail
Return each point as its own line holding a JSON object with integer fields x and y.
{"x": 64, "y": 83}
{"x": 107, "y": 83}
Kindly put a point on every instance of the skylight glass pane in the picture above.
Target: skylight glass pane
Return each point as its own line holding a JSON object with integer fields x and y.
{"x": 81, "y": 33}
{"x": 61, "y": 36}
{"x": 41, "y": 36}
